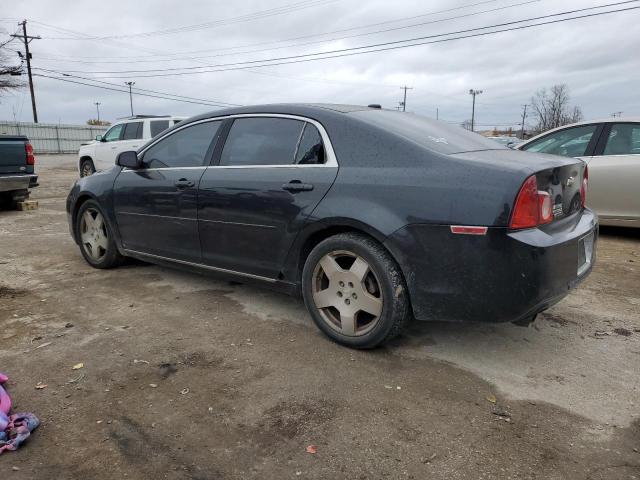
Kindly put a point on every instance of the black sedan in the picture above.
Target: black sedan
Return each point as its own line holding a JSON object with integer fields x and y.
{"x": 375, "y": 217}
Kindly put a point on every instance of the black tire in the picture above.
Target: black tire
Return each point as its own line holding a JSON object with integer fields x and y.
{"x": 392, "y": 291}
{"x": 87, "y": 167}
{"x": 108, "y": 257}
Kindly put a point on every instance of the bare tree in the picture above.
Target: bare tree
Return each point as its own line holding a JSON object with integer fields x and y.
{"x": 8, "y": 73}
{"x": 552, "y": 109}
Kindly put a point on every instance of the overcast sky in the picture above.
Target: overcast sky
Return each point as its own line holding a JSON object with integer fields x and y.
{"x": 596, "y": 57}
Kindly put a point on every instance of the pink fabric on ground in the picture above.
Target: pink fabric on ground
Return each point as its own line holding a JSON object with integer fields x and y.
{"x": 5, "y": 404}
{"x": 14, "y": 429}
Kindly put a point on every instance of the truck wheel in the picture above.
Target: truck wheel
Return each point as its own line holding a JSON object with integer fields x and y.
{"x": 96, "y": 237}
{"x": 355, "y": 291}
{"x": 87, "y": 168}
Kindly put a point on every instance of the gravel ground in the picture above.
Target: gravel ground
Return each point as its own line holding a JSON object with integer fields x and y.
{"x": 190, "y": 377}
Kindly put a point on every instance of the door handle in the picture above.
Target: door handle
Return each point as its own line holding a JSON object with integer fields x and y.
{"x": 297, "y": 186}
{"x": 184, "y": 183}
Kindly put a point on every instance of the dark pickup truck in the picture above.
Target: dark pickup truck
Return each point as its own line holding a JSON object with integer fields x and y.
{"x": 16, "y": 169}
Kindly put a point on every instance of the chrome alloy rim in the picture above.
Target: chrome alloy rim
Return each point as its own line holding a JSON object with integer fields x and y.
{"x": 93, "y": 233}
{"x": 347, "y": 293}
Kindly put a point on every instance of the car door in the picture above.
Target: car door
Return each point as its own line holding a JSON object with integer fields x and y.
{"x": 103, "y": 151}
{"x": 156, "y": 206}
{"x": 614, "y": 173}
{"x": 266, "y": 180}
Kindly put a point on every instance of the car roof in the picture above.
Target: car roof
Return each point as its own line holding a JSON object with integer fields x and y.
{"x": 304, "y": 109}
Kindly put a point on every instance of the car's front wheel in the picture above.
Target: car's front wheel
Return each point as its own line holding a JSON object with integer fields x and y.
{"x": 355, "y": 291}
{"x": 95, "y": 237}
{"x": 87, "y": 167}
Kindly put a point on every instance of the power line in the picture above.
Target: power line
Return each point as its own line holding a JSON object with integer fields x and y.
{"x": 126, "y": 91}
{"x": 296, "y": 45}
{"x": 213, "y": 24}
{"x": 386, "y": 46}
{"x": 138, "y": 89}
{"x": 172, "y": 55}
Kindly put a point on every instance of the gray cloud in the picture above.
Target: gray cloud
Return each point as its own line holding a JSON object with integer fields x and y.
{"x": 596, "y": 57}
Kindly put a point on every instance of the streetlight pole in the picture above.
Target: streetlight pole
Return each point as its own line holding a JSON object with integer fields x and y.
{"x": 473, "y": 93}
{"x": 98, "y": 110}
{"x": 131, "y": 84}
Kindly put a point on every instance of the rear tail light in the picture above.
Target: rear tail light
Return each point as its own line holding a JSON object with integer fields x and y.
{"x": 584, "y": 186}
{"x": 31, "y": 159}
{"x": 532, "y": 207}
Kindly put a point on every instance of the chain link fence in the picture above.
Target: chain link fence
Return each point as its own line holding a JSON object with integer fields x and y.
{"x": 51, "y": 137}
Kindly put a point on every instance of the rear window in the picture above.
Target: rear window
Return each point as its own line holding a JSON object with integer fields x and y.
{"x": 132, "y": 131}
{"x": 158, "y": 126}
{"x": 431, "y": 134}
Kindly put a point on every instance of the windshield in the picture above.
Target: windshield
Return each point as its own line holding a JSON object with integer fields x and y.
{"x": 432, "y": 134}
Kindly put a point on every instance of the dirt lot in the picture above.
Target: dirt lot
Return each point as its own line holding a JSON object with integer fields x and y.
{"x": 189, "y": 377}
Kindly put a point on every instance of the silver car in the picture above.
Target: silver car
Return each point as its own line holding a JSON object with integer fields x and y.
{"x": 611, "y": 149}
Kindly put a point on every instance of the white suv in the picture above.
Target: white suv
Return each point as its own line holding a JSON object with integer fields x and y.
{"x": 128, "y": 134}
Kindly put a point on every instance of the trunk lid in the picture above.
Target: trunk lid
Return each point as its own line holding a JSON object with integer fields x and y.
{"x": 563, "y": 184}
{"x": 560, "y": 177}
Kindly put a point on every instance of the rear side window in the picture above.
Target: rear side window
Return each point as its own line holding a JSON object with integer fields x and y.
{"x": 262, "y": 141}
{"x": 185, "y": 148}
{"x": 571, "y": 142}
{"x": 158, "y": 126}
{"x": 624, "y": 139}
{"x": 310, "y": 149}
{"x": 132, "y": 131}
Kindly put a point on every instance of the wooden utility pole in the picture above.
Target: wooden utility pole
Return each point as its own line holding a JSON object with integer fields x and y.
{"x": 404, "y": 102}
{"x": 473, "y": 93}
{"x": 524, "y": 116}
{"x": 26, "y": 39}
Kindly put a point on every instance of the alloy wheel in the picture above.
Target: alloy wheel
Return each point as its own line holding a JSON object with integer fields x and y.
{"x": 93, "y": 233}
{"x": 347, "y": 293}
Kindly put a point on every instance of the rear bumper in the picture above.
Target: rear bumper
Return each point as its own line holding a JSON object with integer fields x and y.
{"x": 498, "y": 277}
{"x": 10, "y": 183}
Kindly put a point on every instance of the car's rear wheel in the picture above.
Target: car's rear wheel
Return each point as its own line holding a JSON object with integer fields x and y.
{"x": 355, "y": 291}
{"x": 87, "y": 167}
{"x": 95, "y": 238}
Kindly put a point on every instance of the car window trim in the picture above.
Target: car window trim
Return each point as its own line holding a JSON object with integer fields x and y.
{"x": 121, "y": 125}
{"x": 207, "y": 158}
{"x": 590, "y": 146}
{"x": 331, "y": 160}
{"x": 293, "y": 159}
{"x": 594, "y": 140}
{"x": 602, "y": 144}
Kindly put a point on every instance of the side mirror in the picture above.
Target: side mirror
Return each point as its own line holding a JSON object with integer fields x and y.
{"x": 98, "y": 138}
{"x": 129, "y": 159}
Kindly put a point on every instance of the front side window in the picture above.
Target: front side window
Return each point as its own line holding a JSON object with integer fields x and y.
{"x": 262, "y": 141}
{"x": 571, "y": 142}
{"x": 310, "y": 150}
{"x": 132, "y": 131}
{"x": 114, "y": 133}
{"x": 185, "y": 148}
{"x": 158, "y": 126}
{"x": 624, "y": 139}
